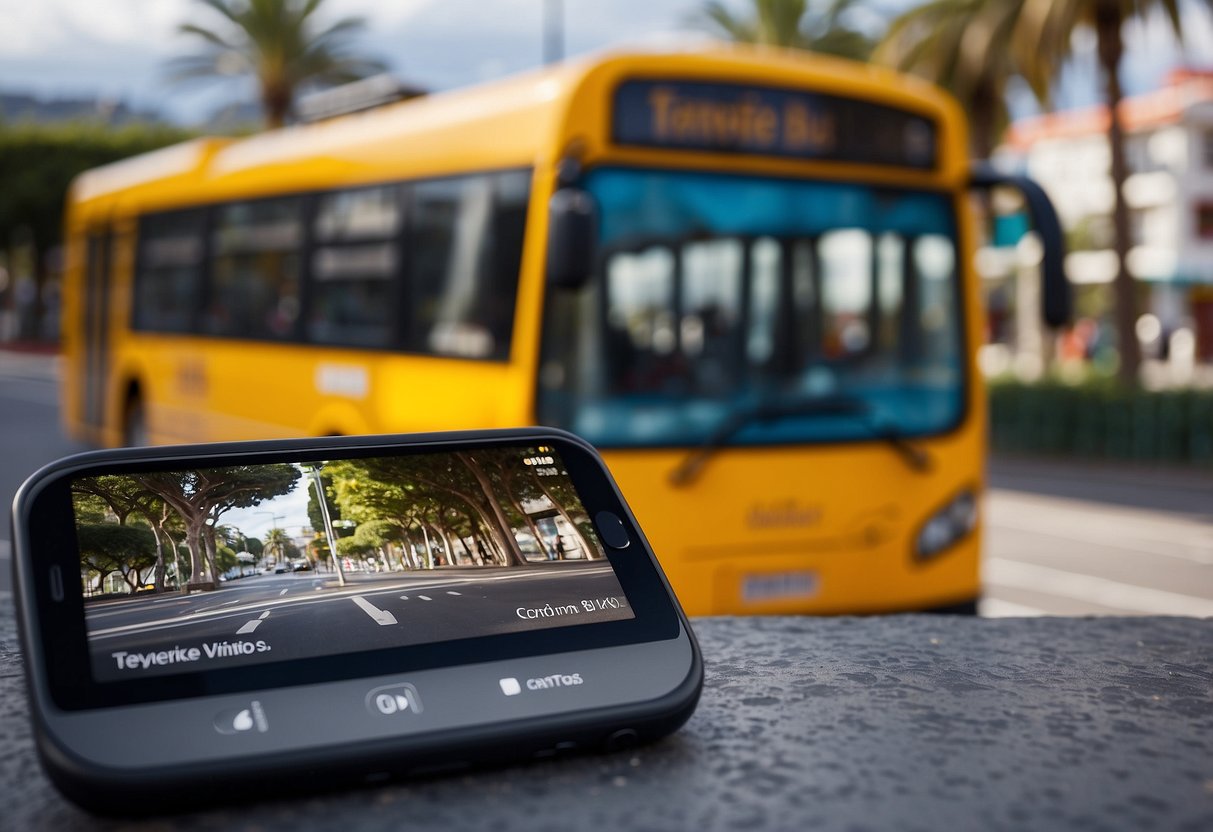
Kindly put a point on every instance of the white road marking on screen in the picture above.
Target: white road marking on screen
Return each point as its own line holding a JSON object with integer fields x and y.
{"x": 425, "y": 598}
{"x": 404, "y": 597}
{"x": 283, "y": 592}
{"x": 1095, "y": 590}
{"x": 453, "y": 592}
{"x": 380, "y": 617}
{"x": 190, "y": 618}
{"x": 249, "y": 626}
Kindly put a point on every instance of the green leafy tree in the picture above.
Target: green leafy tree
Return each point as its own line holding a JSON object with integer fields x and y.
{"x": 254, "y": 546}
{"x": 791, "y": 24}
{"x": 314, "y": 515}
{"x": 201, "y": 497}
{"x": 280, "y": 43}
{"x": 276, "y": 541}
{"x": 37, "y": 165}
{"x": 225, "y": 558}
{"x": 123, "y": 497}
{"x": 109, "y": 547}
{"x": 380, "y": 536}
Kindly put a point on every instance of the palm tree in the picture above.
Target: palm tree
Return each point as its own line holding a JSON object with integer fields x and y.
{"x": 1049, "y": 25}
{"x": 970, "y": 48}
{"x": 278, "y": 42}
{"x": 275, "y": 544}
{"x": 788, "y": 23}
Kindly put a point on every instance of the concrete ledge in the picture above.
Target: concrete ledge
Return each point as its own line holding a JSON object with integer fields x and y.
{"x": 900, "y": 722}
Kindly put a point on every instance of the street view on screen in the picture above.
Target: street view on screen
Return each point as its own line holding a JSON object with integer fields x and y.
{"x": 189, "y": 570}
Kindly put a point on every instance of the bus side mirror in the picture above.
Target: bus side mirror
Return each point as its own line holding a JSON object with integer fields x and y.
{"x": 1056, "y": 303}
{"x": 572, "y": 238}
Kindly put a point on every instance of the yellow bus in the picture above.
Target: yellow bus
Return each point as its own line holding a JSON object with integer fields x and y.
{"x": 744, "y": 275}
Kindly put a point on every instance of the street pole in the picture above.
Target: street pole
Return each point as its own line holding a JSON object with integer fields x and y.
{"x": 328, "y": 523}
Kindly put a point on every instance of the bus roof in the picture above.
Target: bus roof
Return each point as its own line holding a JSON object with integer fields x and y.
{"x": 514, "y": 122}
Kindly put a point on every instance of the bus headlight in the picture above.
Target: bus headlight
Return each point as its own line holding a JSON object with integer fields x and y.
{"x": 947, "y": 526}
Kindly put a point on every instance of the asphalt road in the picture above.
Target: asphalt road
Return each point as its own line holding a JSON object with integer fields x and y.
{"x": 303, "y": 614}
{"x": 1062, "y": 538}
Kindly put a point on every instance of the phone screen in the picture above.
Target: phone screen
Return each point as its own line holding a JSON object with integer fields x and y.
{"x": 194, "y": 569}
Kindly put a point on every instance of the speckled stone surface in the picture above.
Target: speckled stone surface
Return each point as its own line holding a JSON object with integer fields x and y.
{"x": 904, "y": 722}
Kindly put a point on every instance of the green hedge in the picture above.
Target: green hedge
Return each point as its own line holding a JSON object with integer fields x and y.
{"x": 37, "y": 162}
{"x": 1101, "y": 419}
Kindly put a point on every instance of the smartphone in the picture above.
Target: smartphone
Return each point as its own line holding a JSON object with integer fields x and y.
{"x": 215, "y": 622}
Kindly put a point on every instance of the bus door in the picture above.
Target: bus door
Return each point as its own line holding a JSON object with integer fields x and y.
{"x": 95, "y": 327}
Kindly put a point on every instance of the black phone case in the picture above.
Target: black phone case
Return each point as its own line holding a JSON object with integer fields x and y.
{"x": 178, "y": 788}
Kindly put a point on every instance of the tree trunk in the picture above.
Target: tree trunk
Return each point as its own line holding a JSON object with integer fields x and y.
{"x": 502, "y": 529}
{"x": 159, "y": 581}
{"x": 1109, "y": 20}
{"x": 193, "y": 541}
{"x": 208, "y": 539}
{"x": 586, "y": 548}
{"x": 530, "y": 521}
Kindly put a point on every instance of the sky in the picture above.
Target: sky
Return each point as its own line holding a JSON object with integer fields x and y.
{"x": 288, "y": 512}
{"x": 118, "y": 48}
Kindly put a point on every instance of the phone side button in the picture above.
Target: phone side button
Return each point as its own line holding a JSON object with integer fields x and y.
{"x": 612, "y": 530}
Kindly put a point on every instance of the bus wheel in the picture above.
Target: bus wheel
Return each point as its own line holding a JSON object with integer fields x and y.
{"x": 134, "y": 425}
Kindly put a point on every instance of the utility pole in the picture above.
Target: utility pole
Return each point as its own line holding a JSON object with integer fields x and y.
{"x": 314, "y": 470}
{"x": 553, "y": 31}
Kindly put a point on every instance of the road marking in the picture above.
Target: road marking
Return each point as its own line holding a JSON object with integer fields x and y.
{"x": 404, "y": 597}
{"x": 249, "y": 626}
{"x": 331, "y": 597}
{"x": 998, "y": 608}
{"x": 319, "y": 588}
{"x": 283, "y": 592}
{"x": 425, "y": 598}
{"x": 1092, "y": 589}
{"x": 380, "y": 617}
{"x": 453, "y": 592}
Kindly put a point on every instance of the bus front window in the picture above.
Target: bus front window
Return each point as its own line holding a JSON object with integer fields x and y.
{"x": 717, "y": 294}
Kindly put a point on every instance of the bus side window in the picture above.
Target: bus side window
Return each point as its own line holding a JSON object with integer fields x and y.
{"x": 169, "y": 271}
{"x": 464, "y": 253}
{"x": 353, "y": 280}
{"x": 254, "y": 289}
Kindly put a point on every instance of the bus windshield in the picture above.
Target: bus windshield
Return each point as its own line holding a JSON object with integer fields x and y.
{"x": 718, "y": 295}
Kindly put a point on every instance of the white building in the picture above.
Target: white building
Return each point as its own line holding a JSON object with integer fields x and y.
{"x": 1169, "y": 191}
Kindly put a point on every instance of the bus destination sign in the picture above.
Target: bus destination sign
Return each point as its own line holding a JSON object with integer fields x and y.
{"x": 730, "y": 118}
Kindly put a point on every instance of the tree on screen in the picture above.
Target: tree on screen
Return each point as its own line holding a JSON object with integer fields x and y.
{"x": 281, "y": 43}
{"x": 275, "y": 544}
{"x": 107, "y": 547}
{"x": 427, "y": 493}
{"x": 124, "y": 497}
{"x": 201, "y": 497}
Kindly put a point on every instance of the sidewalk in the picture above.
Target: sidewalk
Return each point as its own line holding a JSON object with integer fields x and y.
{"x": 34, "y": 365}
{"x": 1181, "y": 490}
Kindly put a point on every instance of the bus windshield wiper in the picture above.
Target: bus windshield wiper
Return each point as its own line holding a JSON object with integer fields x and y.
{"x": 690, "y": 467}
